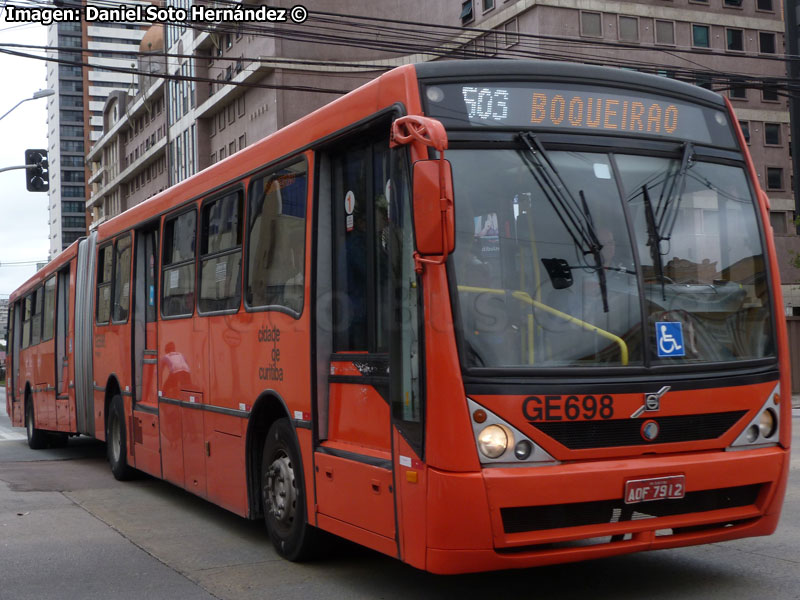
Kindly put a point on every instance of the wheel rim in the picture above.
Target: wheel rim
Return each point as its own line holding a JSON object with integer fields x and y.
{"x": 115, "y": 439}
{"x": 280, "y": 490}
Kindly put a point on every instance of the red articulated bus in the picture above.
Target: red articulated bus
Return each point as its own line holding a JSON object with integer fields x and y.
{"x": 474, "y": 315}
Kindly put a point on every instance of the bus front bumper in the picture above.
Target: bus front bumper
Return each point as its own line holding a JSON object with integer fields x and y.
{"x": 521, "y": 517}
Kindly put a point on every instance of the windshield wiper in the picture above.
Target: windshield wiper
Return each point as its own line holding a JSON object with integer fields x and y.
{"x": 577, "y": 219}
{"x": 653, "y": 239}
{"x": 667, "y": 211}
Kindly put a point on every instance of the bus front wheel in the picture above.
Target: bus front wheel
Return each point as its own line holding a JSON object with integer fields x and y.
{"x": 116, "y": 445}
{"x": 283, "y": 494}
{"x": 37, "y": 439}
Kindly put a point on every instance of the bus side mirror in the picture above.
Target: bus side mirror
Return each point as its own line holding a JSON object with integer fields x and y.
{"x": 434, "y": 224}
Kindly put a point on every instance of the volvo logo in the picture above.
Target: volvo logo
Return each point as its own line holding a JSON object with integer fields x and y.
{"x": 650, "y": 430}
{"x": 652, "y": 402}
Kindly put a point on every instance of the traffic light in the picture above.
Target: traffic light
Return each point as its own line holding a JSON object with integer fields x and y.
{"x": 37, "y": 177}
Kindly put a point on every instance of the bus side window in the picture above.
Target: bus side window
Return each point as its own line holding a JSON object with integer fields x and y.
{"x": 26, "y": 321}
{"x": 49, "y": 309}
{"x": 104, "y": 272}
{"x": 177, "y": 280}
{"x": 122, "y": 280}
{"x": 221, "y": 253}
{"x": 36, "y": 319}
{"x": 276, "y": 239}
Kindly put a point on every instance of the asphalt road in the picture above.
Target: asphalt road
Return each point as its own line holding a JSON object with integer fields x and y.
{"x": 68, "y": 529}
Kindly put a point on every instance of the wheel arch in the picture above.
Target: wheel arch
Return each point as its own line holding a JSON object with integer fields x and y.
{"x": 268, "y": 408}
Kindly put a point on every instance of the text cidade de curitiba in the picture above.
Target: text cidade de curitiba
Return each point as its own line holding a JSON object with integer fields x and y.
{"x": 155, "y": 14}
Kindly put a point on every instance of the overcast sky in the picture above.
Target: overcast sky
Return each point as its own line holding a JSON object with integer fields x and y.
{"x": 23, "y": 214}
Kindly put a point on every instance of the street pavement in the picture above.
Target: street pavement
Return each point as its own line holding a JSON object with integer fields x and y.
{"x": 68, "y": 529}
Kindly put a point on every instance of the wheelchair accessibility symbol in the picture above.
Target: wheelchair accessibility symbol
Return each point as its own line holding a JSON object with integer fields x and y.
{"x": 669, "y": 337}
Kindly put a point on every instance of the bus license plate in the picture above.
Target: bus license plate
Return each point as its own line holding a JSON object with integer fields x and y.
{"x": 660, "y": 488}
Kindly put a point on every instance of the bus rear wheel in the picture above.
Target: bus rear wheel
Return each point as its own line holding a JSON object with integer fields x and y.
{"x": 37, "y": 438}
{"x": 283, "y": 494}
{"x": 116, "y": 444}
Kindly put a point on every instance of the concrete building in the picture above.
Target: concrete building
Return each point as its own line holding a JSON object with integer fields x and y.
{"x": 74, "y": 113}
{"x": 128, "y": 163}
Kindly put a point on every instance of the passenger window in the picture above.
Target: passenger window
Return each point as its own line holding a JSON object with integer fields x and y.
{"x": 36, "y": 319}
{"x": 49, "y": 308}
{"x": 276, "y": 240}
{"x": 104, "y": 273}
{"x": 26, "y": 321}
{"x": 122, "y": 280}
{"x": 221, "y": 254}
{"x": 177, "y": 282}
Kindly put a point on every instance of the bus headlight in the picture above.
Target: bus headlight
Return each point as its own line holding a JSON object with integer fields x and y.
{"x": 767, "y": 423}
{"x": 493, "y": 441}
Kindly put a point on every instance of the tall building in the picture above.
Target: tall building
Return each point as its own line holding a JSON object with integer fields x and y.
{"x": 74, "y": 113}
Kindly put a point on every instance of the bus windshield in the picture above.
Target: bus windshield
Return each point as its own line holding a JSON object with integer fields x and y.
{"x": 679, "y": 278}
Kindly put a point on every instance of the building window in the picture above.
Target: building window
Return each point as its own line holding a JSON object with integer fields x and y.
{"x": 704, "y": 81}
{"x": 772, "y": 134}
{"x": 665, "y": 32}
{"x": 701, "y": 36}
{"x": 769, "y": 93}
{"x": 766, "y": 42}
{"x": 764, "y": 5}
{"x": 466, "y": 12}
{"x": 745, "y": 125}
{"x": 774, "y": 178}
{"x": 732, "y": 3}
{"x": 488, "y": 5}
{"x": 628, "y": 29}
{"x": 735, "y": 40}
{"x": 736, "y": 90}
{"x": 778, "y": 222}
{"x": 512, "y": 33}
{"x": 591, "y": 24}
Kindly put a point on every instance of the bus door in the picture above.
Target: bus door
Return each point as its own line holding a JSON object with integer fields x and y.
{"x": 145, "y": 430}
{"x": 62, "y": 351}
{"x": 354, "y": 477}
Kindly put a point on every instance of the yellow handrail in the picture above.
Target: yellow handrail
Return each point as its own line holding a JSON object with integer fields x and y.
{"x": 525, "y": 297}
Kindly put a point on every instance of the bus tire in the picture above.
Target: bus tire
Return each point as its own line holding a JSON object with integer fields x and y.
{"x": 116, "y": 440}
{"x": 283, "y": 494}
{"x": 37, "y": 438}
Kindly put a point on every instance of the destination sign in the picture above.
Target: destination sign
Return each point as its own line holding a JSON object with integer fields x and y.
{"x": 577, "y": 108}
